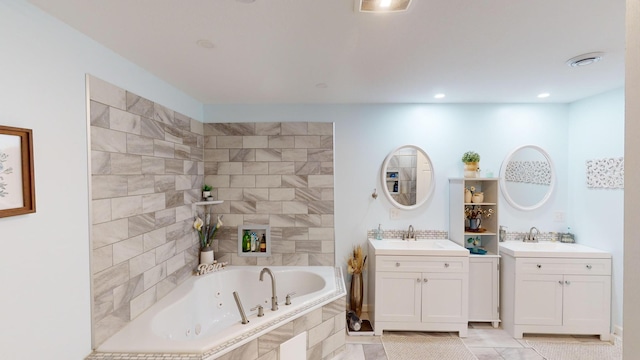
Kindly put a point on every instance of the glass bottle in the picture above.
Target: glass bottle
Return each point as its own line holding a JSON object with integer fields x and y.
{"x": 246, "y": 241}
{"x": 263, "y": 243}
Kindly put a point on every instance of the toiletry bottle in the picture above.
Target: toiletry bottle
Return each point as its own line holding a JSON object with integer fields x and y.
{"x": 395, "y": 187}
{"x": 254, "y": 241}
{"x": 379, "y": 232}
{"x": 263, "y": 243}
{"x": 246, "y": 241}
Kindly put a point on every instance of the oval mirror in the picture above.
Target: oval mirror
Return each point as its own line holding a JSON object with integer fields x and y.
{"x": 407, "y": 177}
{"x": 527, "y": 177}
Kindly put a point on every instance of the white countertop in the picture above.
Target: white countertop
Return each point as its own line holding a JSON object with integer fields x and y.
{"x": 551, "y": 250}
{"x": 421, "y": 247}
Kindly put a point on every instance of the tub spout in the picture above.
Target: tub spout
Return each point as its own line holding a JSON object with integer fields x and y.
{"x": 274, "y": 298}
{"x": 240, "y": 308}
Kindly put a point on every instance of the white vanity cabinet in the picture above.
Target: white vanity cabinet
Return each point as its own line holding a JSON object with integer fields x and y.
{"x": 419, "y": 293}
{"x": 556, "y": 295}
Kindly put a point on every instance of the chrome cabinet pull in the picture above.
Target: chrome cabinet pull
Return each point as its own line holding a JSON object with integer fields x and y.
{"x": 418, "y": 279}
{"x": 446, "y": 265}
{"x": 425, "y": 280}
{"x": 589, "y": 266}
{"x": 567, "y": 282}
{"x": 397, "y": 264}
{"x": 560, "y": 282}
{"x": 539, "y": 266}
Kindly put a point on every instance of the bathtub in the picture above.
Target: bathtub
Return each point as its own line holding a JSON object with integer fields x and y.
{"x": 201, "y": 317}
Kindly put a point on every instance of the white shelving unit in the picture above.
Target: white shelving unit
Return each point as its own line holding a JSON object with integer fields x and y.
{"x": 484, "y": 276}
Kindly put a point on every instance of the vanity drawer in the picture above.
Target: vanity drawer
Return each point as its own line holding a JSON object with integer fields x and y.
{"x": 422, "y": 264}
{"x": 564, "y": 266}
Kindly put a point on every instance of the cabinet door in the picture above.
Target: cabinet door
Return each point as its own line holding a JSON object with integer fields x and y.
{"x": 398, "y": 296}
{"x": 538, "y": 300}
{"x": 444, "y": 298}
{"x": 483, "y": 289}
{"x": 587, "y": 300}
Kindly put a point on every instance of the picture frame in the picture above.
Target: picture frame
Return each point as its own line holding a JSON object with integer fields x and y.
{"x": 17, "y": 185}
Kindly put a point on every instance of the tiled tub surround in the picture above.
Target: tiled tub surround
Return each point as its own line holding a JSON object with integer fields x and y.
{"x": 276, "y": 174}
{"x": 320, "y": 314}
{"x": 147, "y": 167}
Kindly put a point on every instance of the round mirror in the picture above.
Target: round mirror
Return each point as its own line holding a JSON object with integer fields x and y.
{"x": 407, "y": 177}
{"x": 527, "y": 177}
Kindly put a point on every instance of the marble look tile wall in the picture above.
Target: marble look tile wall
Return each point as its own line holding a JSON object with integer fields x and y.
{"x": 147, "y": 165}
{"x": 277, "y": 174}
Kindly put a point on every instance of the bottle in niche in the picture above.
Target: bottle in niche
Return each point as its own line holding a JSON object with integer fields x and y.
{"x": 254, "y": 242}
{"x": 395, "y": 187}
{"x": 263, "y": 243}
{"x": 246, "y": 241}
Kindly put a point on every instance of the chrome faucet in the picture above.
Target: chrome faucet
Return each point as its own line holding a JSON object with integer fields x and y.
{"x": 274, "y": 298}
{"x": 410, "y": 235}
{"x": 531, "y": 237}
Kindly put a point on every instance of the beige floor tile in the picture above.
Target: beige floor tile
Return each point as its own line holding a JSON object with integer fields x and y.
{"x": 374, "y": 352}
{"x": 351, "y": 352}
{"x": 490, "y": 338}
{"x": 486, "y": 353}
{"x": 518, "y": 354}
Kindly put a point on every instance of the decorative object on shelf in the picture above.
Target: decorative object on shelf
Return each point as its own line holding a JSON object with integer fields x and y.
{"x": 206, "y": 192}
{"x": 477, "y": 197}
{"x": 355, "y": 266}
{"x": 474, "y": 215}
{"x": 207, "y": 268}
{"x": 471, "y": 167}
{"x": 467, "y": 195}
{"x": 206, "y": 234}
{"x": 206, "y": 255}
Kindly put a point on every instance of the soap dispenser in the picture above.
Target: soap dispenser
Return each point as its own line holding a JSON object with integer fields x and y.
{"x": 379, "y": 232}
{"x": 502, "y": 233}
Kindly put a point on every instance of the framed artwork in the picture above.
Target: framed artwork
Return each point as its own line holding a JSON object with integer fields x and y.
{"x": 17, "y": 187}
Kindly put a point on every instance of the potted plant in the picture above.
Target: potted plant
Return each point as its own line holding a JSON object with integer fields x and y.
{"x": 471, "y": 160}
{"x": 206, "y": 191}
{"x": 206, "y": 234}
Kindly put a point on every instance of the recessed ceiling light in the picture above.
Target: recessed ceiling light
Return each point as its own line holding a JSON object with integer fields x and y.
{"x": 439, "y": 96}
{"x": 381, "y": 5}
{"x": 585, "y": 59}
{"x": 204, "y": 43}
{"x": 322, "y": 85}
{"x": 543, "y": 95}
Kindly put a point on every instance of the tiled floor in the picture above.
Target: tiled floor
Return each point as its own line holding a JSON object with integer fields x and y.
{"x": 483, "y": 340}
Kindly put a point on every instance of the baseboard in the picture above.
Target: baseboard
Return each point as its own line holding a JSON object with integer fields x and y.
{"x": 617, "y": 330}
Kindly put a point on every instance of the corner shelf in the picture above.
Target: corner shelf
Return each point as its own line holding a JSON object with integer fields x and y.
{"x": 211, "y": 202}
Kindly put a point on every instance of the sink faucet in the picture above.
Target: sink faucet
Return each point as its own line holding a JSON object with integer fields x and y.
{"x": 531, "y": 237}
{"x": 410, "y": 235}
{"x": 274, "y": 298}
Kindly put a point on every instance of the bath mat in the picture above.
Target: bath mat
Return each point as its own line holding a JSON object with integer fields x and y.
{"x": 576, "y": 350}
{"x": 425, "y": 347}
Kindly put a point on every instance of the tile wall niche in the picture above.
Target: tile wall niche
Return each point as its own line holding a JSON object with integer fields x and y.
{"x": 276, "y": 174}
{"x": 147, "y": 167}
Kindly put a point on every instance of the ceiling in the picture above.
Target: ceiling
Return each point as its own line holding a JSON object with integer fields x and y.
{"x": 322, "y": 51}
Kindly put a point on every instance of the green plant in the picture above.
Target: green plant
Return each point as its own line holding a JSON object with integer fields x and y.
{"x": 470, "y": 156}
{"x": 206, "y": 187}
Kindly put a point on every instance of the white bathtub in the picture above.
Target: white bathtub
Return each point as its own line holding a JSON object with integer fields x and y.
{"x": 200, "y": 315}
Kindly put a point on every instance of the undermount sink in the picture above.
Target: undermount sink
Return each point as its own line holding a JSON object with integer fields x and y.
{"x": 438, "y": 247}
{"x": 551, "y": 249}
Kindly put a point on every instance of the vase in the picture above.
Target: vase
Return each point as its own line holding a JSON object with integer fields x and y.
{"x": 477, "y": 197}
{"x": 355, "y": 299}
{"x": 471, "y": 169}
{"x": 206, "y": 255}
{"x": 474, "y": 224}
{"x": 467, "y": 196}
{"x": 206, "y": 194}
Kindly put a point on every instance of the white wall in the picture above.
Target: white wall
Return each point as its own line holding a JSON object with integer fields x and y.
{"x": 365, "y": 134}
{"x": 596, "y": 131}
{"x": 44, "y": 257}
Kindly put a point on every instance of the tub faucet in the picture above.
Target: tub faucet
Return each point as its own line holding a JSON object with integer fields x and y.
{"x": 410, "y": 235}
{"x": 531, "y": 237}
{"x": 274, "y": 298}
